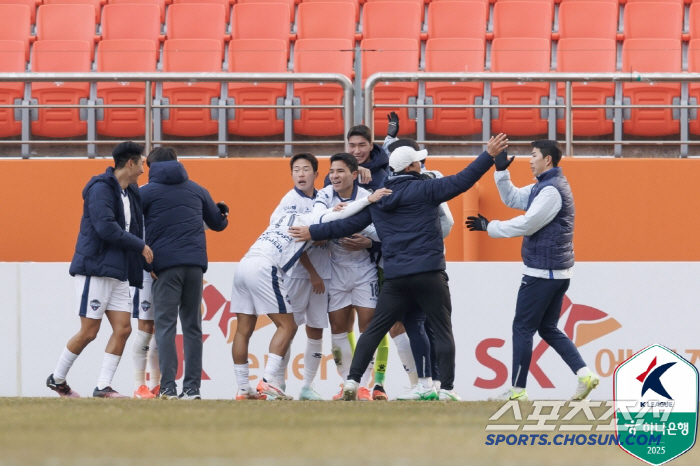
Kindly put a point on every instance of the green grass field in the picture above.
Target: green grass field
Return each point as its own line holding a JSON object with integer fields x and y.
{"x": 54, "y": 431}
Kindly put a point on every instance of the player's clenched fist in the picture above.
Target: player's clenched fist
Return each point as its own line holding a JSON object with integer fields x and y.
{"x": 148, "y": 254}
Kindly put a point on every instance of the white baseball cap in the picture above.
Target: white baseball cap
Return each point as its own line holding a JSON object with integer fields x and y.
{"x": 404, "y": 156}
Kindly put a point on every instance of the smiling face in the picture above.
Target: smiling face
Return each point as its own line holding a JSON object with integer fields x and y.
{"x": 360, "y": 148}
{"x": 134, "y": 169}
{"x": 341, "y": 177}
{"x": 539, "y": 163}
{"x": 304, "y": 176}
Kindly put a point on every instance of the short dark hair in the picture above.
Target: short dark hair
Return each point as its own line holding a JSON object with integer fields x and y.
{"x": 161, "y": 154}
{"x": 348, "y": 159}
{"x": 360, "y": 130}
{"x": 549, "y": 147}
{"x": 403, "y": 142}
{"x": 306, "y": 156}
{"x": 126, "y": 151}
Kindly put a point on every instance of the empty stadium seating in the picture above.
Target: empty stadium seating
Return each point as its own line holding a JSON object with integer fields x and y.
{"x": 355, "y": 4}
{"x": 579, "y": 20}
{"x": 28, "y": 3}
{"x": 260, "y": 21}
{"x": 457, "y": 20}
{"x": 694, "y": 88}
{"x": 95, "y": 4}
{"x": 132, "y": 21}
{"x": 66, "y": 22}
{"x": 15, "y": 25}
{"x": 159, "y": 3}
{"x": 653, "y": 20}
{"x": 326, "y": 21}
{"x": 419, "y": 3}
{"x": 197, "y": 21}
{"x": 224, "y": 3}
{"x": 192, "y": 55}
{"x": 522, "y": 19}
{"x": 486, "y": 4}
{"x": 257, "y": 56}
{"x": 404, "y": 22}
{"x": 289, "y": 3}
{"x": 12, "y": 60}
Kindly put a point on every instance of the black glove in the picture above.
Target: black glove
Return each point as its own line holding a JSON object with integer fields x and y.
{"x": 479, "y": 223}
{"x": 502, "y": 161}
{"x": 393, "y": 125}
{"x": 223, "y": 208}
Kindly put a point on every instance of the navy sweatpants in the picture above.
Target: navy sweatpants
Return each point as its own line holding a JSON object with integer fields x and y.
{"x": 537, "y": 310}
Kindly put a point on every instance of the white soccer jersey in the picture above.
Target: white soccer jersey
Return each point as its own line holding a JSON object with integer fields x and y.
{"x": 296, "y": 202}
{"x": 327, "y": 198}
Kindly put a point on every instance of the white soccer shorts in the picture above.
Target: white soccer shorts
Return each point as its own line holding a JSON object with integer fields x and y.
{"x": 259, "y": 288}
{"x": 309, "y": 308}
{"x": 143, "y": 300}
{"x": 357, "y": 286}
{"x": 99, "y": 294}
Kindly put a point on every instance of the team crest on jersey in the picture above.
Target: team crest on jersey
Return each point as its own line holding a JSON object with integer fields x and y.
{"x": 145, "y": 305}
{"x": 95, "y": 304}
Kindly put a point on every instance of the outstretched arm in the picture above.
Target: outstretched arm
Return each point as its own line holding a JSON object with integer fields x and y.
{"x": 515, "y": 198}
{"x": 543, "y": 209}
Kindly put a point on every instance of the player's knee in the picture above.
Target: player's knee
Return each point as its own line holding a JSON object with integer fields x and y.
{"x": 122, "y": 331}
{"x": 88, "y": 336}
{"x": 147, "y": 326}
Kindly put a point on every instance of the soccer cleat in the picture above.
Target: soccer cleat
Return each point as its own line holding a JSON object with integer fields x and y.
{"x": 378, "y": 394}
{"x": 156, "y": 390}
{"x": 250, "y": 394}
{"x": 419, "y": 393}
{"x": 107, "y": 392}
{"x": 309, "y": 394}
{"x": 350, "y": 390}
{"x": 272, "y": 390}
{"x": 61, "y": 388}
{"x": 363, "y": 394}
{"x": 190, "y": 394}
{"x": 144, "y": 393}
{"x": 511, "y": 394}
{"x": 448, "y": 395}
{"x": 585, "y": 385}
{"x": 168, "y": 394}
{"x": 339, "y": 396}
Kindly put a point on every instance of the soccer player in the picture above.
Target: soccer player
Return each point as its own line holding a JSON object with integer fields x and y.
{"x": 260, "y": 288}
{"x": 547, "y": 228}
{"x": 309, "y": 279}
{"x": 145, "y": 349}
{"x": 108, "y": 258}
{"x": 354, "y": 283}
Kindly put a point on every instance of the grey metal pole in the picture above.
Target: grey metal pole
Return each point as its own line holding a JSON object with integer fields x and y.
{"x": 148, "y": 135}
{"x": 569, "y": 122}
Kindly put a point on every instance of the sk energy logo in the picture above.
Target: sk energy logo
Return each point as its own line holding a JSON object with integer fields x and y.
{"x": 660, "y": 390}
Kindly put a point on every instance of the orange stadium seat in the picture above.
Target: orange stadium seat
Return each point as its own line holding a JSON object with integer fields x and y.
{"x": 653, "y": 20}
{"x": 61, "y": 56}
{"x": 454, "y": 55}
{"x": 579, "y": 20}
{"x": 132, "y": 21}
{"x": 658, "y": 56}
{"x": 694, "y": 21}
{"x": 15, "y": 25}
{"x": 29, "y": 3}
{"x": 197, "y": 21}
{"x": 420, "y": 3}
{"x": 465, "y": 20}
{"x": 191, "y": 55}
{"x": 95, "y": 4}
{"x": 549, "y": 2}
{"x": 66, "y": 22}
{"x": 12, "y": 60}
{"x": 260, "y": 21}
{"x": 582, "y": 56}
{"x": 679, "y": 2}
{"x": 693, "y": 87}
{"x": 321, "y": 56}
{"x": 391, "y": 55}
{"x": 326, "y": 21}
{"x": 257, "y": 56}
{"x": 123, "y": 56}
{"x": 515, "y": 55}
{"x": 290, "y": 3}
{"x": 159, "y": 3}
{"x": 522, "y": 19}
{"x": 486, "y": 4}
{"x": 355, "y": 4}
{"x": 225, "y": 3}
{"x": 383, "y": 20}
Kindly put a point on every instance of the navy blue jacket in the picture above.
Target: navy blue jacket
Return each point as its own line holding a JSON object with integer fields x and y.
{"x": 407, "y": 221}
{"x": 174, "y": 208}
{"x": 377, "y": 164}
{"x": 552, "y": 246}
{"x": 104, "y": 248}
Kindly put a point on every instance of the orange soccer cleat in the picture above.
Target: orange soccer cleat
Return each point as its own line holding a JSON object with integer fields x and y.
{"x": 363, "y": 394}
{"x": 144, "y": 393}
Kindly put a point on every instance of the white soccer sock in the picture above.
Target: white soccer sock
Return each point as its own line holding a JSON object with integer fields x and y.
{"x": 283, "y": 366}
{"x": 427, "y": 382}
{"x": 154, "y": 364}
{"x": 367, "y": 376}
{"x": 403, "y": 346}
{"x": 109, "y": 367}
{"x": 241, "y": 371}
{"x": 436, "y": 384}
{"x": 583, "y": 371}
{"x": 312, "y": 360}
{"x": 272, "y": 368}
{"x": 65, "y": 362}
{"x": 343, "y": 352}
{"x": 140, "y": 357}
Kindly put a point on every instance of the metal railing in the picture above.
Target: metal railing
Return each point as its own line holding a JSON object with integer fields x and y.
{"x": 551, "y": 106}
{"x": 152, "y": 130}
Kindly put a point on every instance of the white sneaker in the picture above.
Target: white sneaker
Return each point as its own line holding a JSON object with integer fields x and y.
{"x": 309, "y": 394}
{"x": 585, "y": 385}
{"x": 448, "y": 395}
{"x": 511, "y": 394}
{"x": 350, "y": 390}
{"x": 418, "y": 392}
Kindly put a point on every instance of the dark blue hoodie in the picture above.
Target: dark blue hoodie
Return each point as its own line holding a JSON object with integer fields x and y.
{"x": 407, "y": 221}
{"x": 104, "y": 248}
{"x": 377, "y": 164}
{"x": 175, "y": 210}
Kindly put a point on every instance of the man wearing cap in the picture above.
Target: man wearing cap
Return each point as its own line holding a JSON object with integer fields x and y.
{"x": 414, "y": 261}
